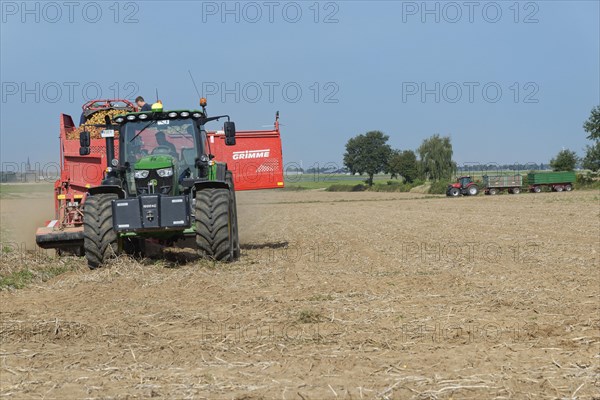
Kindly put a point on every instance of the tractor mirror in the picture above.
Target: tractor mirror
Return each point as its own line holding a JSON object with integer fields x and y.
{"x": 84, "y": 151}
{"x": 84, "y": 139}
{"x": 229, "y": 129}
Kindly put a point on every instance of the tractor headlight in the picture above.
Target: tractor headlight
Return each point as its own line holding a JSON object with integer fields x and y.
{"x": 165, "y": 172}
{"x": 141, "y": 174}
{"x": 119, "y": 120}
{"x": 172, "y": 114}
{"x": 143, "y": 116}
{"x": 184, "y": 114}
{"x": 196, "y": 115}
{"x": 130, "y": 117}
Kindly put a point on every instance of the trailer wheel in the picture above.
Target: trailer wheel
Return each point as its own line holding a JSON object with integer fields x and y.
{"x": 558, "y": 188}
{"x": 236, "y": 236}
{"x": 493, "y": 192}
{"x": 537, "y": 189}
{"x": 516, "y": 190}
{"x": 100, "y": 241}
{"x": 568, "y": 188}
{"x": 214, "y": 224}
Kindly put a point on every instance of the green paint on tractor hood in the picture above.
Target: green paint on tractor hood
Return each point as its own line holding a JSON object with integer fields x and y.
{"x": 154, "y": 162}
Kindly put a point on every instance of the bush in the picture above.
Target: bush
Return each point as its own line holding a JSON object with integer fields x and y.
{"x": 347, "y": 188}
{"x": 588, "y": 180}
{"x": 438, "y": 187}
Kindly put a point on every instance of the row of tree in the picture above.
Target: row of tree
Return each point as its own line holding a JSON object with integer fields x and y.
{"x": 370, "y": 154}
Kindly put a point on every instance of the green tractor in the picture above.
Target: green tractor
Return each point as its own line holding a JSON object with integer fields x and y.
{"x": 163, "y": 184}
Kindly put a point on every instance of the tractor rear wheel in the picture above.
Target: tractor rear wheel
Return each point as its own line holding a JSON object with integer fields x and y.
{"x": 214, "y": 224}
{"x": 100, "y": 241}
{"x": 472, "y": 190}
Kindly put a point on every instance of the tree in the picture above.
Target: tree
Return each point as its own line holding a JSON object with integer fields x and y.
{"x": 591, "y": 160}
{"x": 592, "y": 157}
{"x": 592, "y": 125}
{"x": 565, "y": 160}
{"x": 403, "y": 163}
{"x": 436, "y": 158}
{"x": 368, "y": 153}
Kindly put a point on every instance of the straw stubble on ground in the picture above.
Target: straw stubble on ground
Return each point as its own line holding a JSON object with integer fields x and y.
{"x": 354, "y": 295}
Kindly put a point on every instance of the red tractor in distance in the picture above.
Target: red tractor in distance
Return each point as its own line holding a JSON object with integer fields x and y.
{"x": 463, "y": 186}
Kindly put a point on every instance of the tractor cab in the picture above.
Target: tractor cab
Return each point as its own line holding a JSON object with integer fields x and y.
{"x": 464, "y": 181}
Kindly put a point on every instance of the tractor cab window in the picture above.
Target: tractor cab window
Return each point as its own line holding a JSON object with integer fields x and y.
{"x": 174, "y": 138}
{"x": 464, "y": 181}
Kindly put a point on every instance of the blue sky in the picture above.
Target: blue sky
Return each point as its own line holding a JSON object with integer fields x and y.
{"x": 509, "y": 82}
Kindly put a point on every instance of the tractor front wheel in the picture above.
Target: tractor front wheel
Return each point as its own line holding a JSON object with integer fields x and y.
{"x": 214, "y": 224}
{"x": 100, "y": 241}
{"x": 453, "y": 192}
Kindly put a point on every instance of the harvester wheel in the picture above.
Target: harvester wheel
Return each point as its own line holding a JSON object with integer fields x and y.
{"x": 236, "y": 236}
{"x": 99, "y": 238}
{"x": 214, "y": 224}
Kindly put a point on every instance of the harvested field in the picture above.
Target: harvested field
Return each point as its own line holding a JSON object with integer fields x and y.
{"x": 337, "y": 295}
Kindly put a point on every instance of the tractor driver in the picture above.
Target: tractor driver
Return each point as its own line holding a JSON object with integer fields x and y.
{"x": 161, "y": 140}
{"x": 141, "y": 103}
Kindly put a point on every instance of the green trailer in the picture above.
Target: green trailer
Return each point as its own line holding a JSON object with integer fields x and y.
{"x": 498, "y": 183}
{"x": 555, "y": 181}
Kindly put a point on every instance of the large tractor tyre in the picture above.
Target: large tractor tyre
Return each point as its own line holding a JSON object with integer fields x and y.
{"x": 214, "y": 227}
{"x": 453, "y": 192}
{"x": 100, "y": 241}
{"x": 472, "y": 190}
{"x": 236, "y": 236}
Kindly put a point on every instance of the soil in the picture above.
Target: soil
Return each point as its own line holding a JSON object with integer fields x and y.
{"x": 336, "y": 295}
